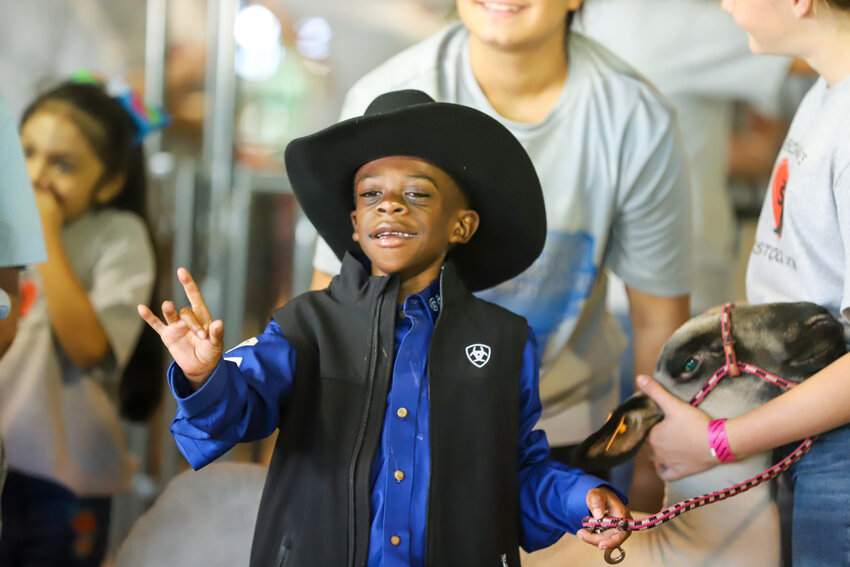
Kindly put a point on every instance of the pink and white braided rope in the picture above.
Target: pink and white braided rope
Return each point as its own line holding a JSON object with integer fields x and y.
{"x": 731, "y": 368}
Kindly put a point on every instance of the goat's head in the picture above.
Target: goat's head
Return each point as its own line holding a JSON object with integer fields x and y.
{"x": 790, "y": 340}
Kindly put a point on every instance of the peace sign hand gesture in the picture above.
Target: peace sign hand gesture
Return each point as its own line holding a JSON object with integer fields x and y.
{"x": 191, "y": 336}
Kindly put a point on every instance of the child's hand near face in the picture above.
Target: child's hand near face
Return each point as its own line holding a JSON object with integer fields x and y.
{"x": 601, "y": 502}
{"x": 191, "y": 336}
{"x": 52, "y": 218}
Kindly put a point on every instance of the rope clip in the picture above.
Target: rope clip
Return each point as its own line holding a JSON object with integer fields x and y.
{"x": 610, "y": 559}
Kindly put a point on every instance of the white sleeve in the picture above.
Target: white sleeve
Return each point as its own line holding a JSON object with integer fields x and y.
{"x": 650, "y": 243}
{"x": 123, "y": 277}
{"x": 324, "y": 258}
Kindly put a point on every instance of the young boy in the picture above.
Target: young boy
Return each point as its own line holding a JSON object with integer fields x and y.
{"x": 405, "y": 405}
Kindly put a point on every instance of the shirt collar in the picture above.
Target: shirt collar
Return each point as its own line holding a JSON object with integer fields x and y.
{"x": 429, "y": 300}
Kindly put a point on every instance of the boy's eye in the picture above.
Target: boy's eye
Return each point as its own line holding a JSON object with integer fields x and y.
{"x": 369, "y": 194}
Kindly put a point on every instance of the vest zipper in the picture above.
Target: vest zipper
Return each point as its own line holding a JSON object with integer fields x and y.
{"x": 504, "y": 560}
{"x": 428, "y": 500}
{"x": 361, "y": 434}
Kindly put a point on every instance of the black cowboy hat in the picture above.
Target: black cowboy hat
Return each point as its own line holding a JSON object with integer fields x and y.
{"x": 480, "y": 154}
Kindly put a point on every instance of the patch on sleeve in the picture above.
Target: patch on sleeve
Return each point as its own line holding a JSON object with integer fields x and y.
{"x": 247, "y": 342}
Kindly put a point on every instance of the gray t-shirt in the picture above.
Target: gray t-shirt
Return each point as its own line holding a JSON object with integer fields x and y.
{"x": 59, "y": 421}
{"x": 616, "y": 189}
{"x": 802, "y": 243}
{"x": 703, "y": 68}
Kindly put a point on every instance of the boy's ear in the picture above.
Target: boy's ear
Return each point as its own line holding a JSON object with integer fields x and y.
{"x": 109, "y": 189}
{"x": 354, "y": 236}
{"x": 465, "y": 226}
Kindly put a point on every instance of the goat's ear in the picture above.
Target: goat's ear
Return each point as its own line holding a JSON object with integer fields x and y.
{"x": 619, "y": 439}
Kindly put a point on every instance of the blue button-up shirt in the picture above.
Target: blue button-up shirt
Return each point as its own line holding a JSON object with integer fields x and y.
{"x": 239, "y": 403}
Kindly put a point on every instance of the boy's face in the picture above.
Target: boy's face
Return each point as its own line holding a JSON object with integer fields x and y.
{"x": 407, "y": 215}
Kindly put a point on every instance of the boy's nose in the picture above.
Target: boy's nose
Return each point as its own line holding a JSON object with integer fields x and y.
{"x": 391, "y": 205}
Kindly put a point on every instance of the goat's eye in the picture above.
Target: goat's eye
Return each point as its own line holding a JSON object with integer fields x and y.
{"x": 691, "y": 364}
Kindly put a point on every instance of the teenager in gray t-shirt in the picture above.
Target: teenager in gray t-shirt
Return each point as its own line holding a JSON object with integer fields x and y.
{"x": 801, "y": 253}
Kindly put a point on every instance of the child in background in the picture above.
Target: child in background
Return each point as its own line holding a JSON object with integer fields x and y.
{"x": 801, "y": 253}
{"x": 406, "y": 406}
{"x": 78, "y": 327}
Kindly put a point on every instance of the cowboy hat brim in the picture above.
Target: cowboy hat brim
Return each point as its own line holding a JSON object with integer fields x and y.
{"x": 482, "y": 156}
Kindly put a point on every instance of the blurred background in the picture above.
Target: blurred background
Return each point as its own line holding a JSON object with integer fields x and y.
{"x": 240, "y": 79}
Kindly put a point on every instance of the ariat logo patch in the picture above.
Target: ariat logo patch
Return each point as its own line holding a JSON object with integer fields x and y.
{"x": 478, "y": 354}
{"x": 777, "y": 195}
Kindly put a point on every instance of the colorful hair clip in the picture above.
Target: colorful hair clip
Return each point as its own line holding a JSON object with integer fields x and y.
{"x": 147, "y": 118}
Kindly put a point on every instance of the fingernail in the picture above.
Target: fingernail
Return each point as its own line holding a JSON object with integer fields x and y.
{"x": 642, "y": 380}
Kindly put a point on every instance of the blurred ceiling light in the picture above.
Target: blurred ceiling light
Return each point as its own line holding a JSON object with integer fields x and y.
{"x": 256, "y": 29}
{"x": 258, "y": 65}
{"x": 258, "y": 49}
{"x": 313, "y": 38}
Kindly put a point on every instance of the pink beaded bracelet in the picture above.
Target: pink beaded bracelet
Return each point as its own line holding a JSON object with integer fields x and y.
{"x": 718, "y": 442}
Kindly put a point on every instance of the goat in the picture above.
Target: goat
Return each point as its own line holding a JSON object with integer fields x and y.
{"x": 791, "y": 340}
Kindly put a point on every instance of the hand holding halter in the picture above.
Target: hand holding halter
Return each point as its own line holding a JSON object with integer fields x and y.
{"x": 732, "y": 368}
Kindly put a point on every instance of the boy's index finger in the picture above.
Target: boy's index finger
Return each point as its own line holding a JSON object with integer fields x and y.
{"x": 193, "y": 293}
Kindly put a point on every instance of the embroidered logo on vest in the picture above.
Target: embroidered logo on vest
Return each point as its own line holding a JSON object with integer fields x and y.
{"x": 478, "y": 354}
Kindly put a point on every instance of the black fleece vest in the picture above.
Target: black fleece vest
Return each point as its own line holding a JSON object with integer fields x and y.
{"x": 315, "y": 508}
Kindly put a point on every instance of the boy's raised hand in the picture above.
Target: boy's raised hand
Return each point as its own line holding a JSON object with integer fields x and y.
{"x": 191, "y": 336}
{"x": 602, "y": 501}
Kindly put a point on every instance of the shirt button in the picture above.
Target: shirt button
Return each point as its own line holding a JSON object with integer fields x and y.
{"x": 395, "y": 540}
{"x": 399, "y": 475}
{"x": 402, "y": 412}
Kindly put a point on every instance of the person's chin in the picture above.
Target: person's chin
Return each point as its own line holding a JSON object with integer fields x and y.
{"x": 389, "y": 261}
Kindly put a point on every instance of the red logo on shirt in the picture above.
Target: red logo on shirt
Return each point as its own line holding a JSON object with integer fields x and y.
{"x": 777, "y": 190}
{"x": 28, "y": 295}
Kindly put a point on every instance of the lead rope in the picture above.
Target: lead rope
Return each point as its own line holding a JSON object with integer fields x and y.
{"x": 731, "y": 368}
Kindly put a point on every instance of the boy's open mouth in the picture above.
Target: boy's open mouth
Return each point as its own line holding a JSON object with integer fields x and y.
{"x": 391, "y": 231}
{"x": 392, "y": 234}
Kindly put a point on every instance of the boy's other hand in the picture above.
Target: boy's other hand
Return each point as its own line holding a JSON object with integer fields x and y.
{"x": 191, "y": 336}
{"x": 602, "y": 501}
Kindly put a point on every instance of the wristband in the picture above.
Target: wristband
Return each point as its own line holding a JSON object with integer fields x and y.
{"x": 718, "y": 442}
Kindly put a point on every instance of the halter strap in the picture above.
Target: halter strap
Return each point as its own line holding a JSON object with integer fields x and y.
{"x": 728, "y": 341}
{"x": 731, "y": 368}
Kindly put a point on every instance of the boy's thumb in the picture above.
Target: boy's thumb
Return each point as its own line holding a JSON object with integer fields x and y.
{"x": 656, "y": 392}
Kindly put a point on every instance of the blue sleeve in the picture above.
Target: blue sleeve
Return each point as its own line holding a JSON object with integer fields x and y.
{"x": 239, "y": 402}
{"x": 552, "y": 496}
{"x": 20, "y": 224}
